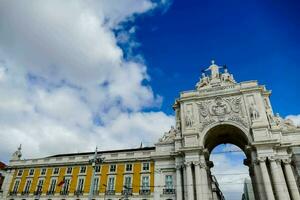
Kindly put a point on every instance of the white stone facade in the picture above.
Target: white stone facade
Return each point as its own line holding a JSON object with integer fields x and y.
{"x": 220, "y": 110}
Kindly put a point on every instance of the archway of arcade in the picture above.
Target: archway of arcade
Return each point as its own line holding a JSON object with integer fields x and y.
{"x": 228, "y": 155}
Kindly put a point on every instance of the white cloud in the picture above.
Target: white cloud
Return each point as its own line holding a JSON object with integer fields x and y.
{"x": 295, "y": 119}
{"x": 65, "y": 85}
{"x": 230, "y": 172}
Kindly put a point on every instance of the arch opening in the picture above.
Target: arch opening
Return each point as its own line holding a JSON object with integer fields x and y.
{"x": 226, "y": 145}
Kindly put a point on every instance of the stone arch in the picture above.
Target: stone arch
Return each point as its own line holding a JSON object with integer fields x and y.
{"x": 225, "y": 132}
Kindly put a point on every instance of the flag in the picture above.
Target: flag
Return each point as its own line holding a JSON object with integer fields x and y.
{"x": 61, "y": 182}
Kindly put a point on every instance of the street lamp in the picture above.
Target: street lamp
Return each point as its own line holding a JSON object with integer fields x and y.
{"x": 104, "y": 191}
{"x": 96, "y": 160}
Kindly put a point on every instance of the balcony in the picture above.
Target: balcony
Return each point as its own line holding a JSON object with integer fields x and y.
{"x": 64, "y": 192}
{"x": 110, "y": 192}
{"x": 168, "y": 191}
{"x": 13, "y": 193}
{"x": 51, "y": 192}
{"x": 37, "y": 193}
{"x": 127, "y": 191}
{"x": 145, "y": 191}
{"x": 25, "y": 193}
{"x": 78, "y": 192}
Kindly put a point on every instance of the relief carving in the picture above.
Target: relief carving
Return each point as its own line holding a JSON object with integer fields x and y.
{"x": 221, "y": 109}
{"x": 189, "y": 117}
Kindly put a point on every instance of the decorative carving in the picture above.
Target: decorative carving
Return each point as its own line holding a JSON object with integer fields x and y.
{"x": 236, "y": 105}
{"x": 189, "y": 118}
{"x": 17, "y": 154}
{"x": 220, "y": 107}
{"x": 284, "y": 124}
{"x": 203, "y": 109}
{"x": 169, "y": 136}
{"x": 188, "y": 164}
{"x": 254, "y": 114}
{"x": 286, "y": 161}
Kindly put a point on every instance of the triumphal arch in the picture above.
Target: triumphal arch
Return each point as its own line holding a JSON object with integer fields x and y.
{"x": 221, "y": 110}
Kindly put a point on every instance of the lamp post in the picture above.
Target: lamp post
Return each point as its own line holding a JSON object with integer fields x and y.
{"x": 104, "y": 191}
{"x": 95, "y": 161}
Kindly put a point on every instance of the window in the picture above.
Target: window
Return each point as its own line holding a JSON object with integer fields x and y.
{"x": 16, "y": 186}
{"x": 52, "y": 185}
{"x": 66, "y": 186}
{"x": 128, "y": 167}
{"x": 169, "y": 181}
{"x": 146, "y": 166}
{"x": 43, "y": 171}
{"x": 27, "y": 186}
{"x": 56, "y": 170}
{"x": 40, "y": 185}
{"x": 145, "y": 182}
{"x": 95, "y": 186}
{"x": 80, "y": 184}
{"x": 82, "y": 169}
{"x": 112, "y": 168}
{"x": 69, "y": 170}
{"x": 111, "y": 183}
{"x": 127, "y": 183}
{"x": 20, "y": 172}
{"x": 97, "y": 168}
{"x": 31, "y": 172}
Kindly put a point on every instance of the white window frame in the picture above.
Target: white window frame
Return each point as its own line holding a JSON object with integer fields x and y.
{"x": 77, "y": 186}
{"x": 50, "y": 185}
{"x": 114, "y": 183}
{"x": 85, "y": 169}
{"x": 149, "y": 182}
{"x": 115, "y": 167}
{"x": 124, "y": 181}
{"x": 67, "y": 171}
{"x": 27, "y": 189}
{"x": 128, "y": 165}
{"x": 96, "y": 186}
{"x": 54, "y": 170}
{"x": 172, "y": 181}
{"x": 41, "y": 180}
{"x": 99, "y": 169}
{"x": 20, "y": 172}
{"x": 146, "y": 170}
{"x": 31, "y": 170}
{"x": 43, "y": 169}
{"x": 16, "y": 186}
{"x": 66, "y": 187}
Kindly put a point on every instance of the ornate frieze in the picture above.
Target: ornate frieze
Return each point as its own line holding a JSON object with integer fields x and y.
{"x": 221, "y": 109}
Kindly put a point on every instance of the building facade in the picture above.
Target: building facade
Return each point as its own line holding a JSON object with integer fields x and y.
{"x": 219, "y": 110}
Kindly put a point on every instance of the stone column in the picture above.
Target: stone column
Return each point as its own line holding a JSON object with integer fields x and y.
{"x": 284, "y": 184}
{"x": 266, "y": 179}
{"x": 290, "y": 179}
{"x": 277, "y": 181}
{"x": 204, "y": 186}
{"x": 198, "y": 180}
{"x": 259, "y": 181}
{"x": 178, "y": 183}
{"x": 190, "y": 185}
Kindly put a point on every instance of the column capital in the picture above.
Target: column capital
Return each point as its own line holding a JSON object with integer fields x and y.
{"x": 178, "y": 166}
{"x": 188, "y": 164}
{"x": 272, "y": 159}
{"x": 196, "y": 163}
{"x": 261, "y": 159}
{"x": 287, "y": 161}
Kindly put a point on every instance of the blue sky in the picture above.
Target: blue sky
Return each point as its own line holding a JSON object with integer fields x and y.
{"x": 255, "y": 39}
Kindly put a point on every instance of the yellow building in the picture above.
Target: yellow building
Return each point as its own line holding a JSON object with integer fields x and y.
{"x": 123, "y": 173}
